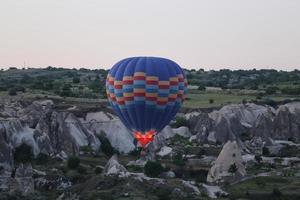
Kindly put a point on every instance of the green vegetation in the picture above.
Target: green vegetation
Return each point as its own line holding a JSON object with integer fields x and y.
{"x": 73, "y": 162}
{"x": 106, "y": 147}
{"x": 273, "y": 187}
{"x": 23, "y": 154}
{"x": 153, "y": 169}
{"x": 180, "y": 121}
{"x": 178, "y": 159}
{"x": 211, "y": 88}
{"x": 232, "y": 169}
{"x": 55, "y": 81}
{"x": 98, "y": 170}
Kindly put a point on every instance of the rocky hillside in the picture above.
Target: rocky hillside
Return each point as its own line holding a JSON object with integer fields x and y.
{"x": 199, "y": 155}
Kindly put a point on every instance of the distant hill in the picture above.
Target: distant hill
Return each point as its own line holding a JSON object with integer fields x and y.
{"x": 91, "y": 83}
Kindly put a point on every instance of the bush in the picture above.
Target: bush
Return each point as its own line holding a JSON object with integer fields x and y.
{"x": 276, "y": 192}
{"x": 106, "y": 147}
{"x": 272, "y": 90}
{"x": 211, "y": 101}
{"x": 260, "y": 182}
{"x": 153, "y": 169}
{"x": 180, "y": 121}
{"x": 178, "y": 159}
{"x": 245, "y": 136}
{"x": 232, "y": 169}
{"x": 12, "y": 91}
{"x": 288, "y": 151}
{"x": 23, "y": 154}
{"x": 73, "y": 162}
{"x": 81, "y": 169}
{"x": 258, "y": 158}
{"x": 42, "y": 159}
{"x": 76, "y": 80}
{"x": 98, "y": 170}
{"x": 265, "y": 151}
{"x": 201, "y": 88}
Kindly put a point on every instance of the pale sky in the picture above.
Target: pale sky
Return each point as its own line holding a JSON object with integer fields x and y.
{"x": 209, "y": 34}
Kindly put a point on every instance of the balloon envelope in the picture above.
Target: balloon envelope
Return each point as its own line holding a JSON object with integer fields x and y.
{"x": 146, "y": 93}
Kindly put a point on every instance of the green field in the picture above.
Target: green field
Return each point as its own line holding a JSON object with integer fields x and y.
{"x": 263, "y": 188}
{"x": 201, "y": 99}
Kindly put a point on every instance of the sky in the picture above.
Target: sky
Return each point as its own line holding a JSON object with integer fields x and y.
{"x": 209, "y": 34}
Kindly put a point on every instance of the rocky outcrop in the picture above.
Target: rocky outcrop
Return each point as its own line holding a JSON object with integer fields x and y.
{"x": 287, "y": 122}
{"x": 200, "y": 125}
{"x": 233, "y": 120}
{"x": 113, "y": 167}
{"x": 65, "y": 133}
{"x": 229, "y": 156}
{"x": 245, "y": 122}
{"x": 24, "y": 179}
{"x": 117, "y": 134}
{"x": 45, "y": 130}
{"x": 22, "y": 182}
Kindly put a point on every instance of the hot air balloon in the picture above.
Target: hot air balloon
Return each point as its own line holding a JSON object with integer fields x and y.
{"x": 146, "y": 93}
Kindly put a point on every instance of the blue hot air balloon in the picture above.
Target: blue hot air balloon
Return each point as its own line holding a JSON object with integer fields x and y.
{"x": 146, "y": 93}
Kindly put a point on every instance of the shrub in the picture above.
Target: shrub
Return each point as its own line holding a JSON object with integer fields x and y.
{"x": 260, "y": 182}
{"x": 211, "y": 101}
{"x": 42, "y": 159}
{"x": 23, "y": 154}
{"x": 81, "y": 169}
{"x": 106, "y": 147}
{"x": 265, "y": 151}
{"x": 76, "y": 80}
{"x": 245, "y": 136}
{"x": 12, "y": 91}
{"x": 232, "y": 169}
{"x": 153, "y": 169}
{"x": 73, "y": 162}
{"x": 288, "y": 151}
{"x": 201, "y": 88}
{"x": 178, "y": 159}
{"x": 258, "y": 158}
{"x": 271, "y": 90}
{"x": 98, "y": 170}
{"x": 180, "y": 121}
{"x": 276, "y": 192}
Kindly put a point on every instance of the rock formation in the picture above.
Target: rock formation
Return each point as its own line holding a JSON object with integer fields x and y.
{"x": 113, "y": 167}
{"x": 229, "y": 156}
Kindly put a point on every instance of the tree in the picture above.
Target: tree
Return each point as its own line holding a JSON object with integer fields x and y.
{"x": 76, "y": 80}
{"x": 271, "y": 90}
{"x": 233, "y": 169}
{"x": 211, "y": 101}
{"x": 12, "y": 92}
{"x": 106, "y": 147}
{"x": 258, "y": 158}
{"x": 180, "y": 121}
{"x": 66, "y": 90}
{"x": 23, "y": 154}
{"x": 201, "y": 88}
{"x": 73, "y": 162}
{"x": 276, "y": 192}
{"x": 153, "y": 169}
{"x": 265, "y": 151}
